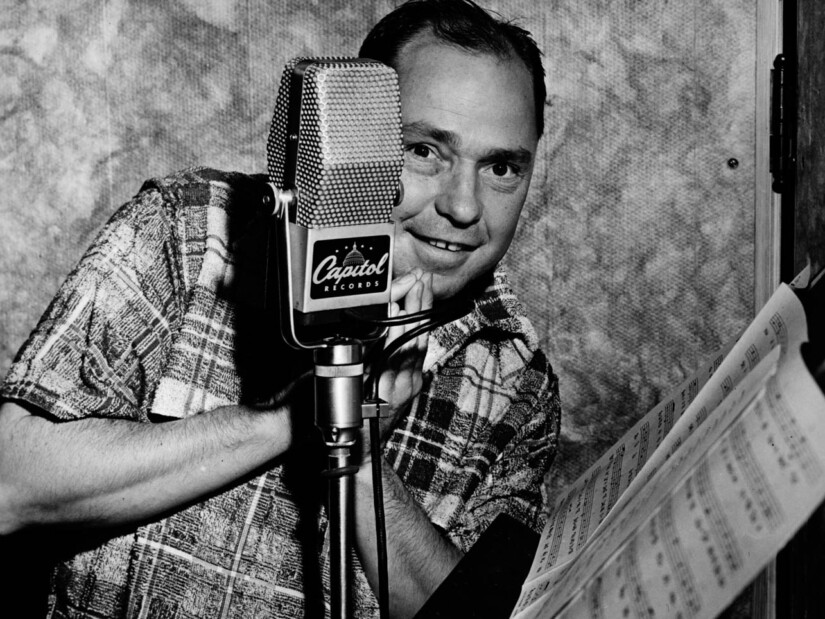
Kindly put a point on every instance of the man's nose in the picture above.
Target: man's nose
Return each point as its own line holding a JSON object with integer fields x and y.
{"x": 458, "y": 198}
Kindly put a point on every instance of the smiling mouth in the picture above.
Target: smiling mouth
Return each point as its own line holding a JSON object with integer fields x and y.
{"x": 451, "y": 247}
{"x": 445, "y": 245}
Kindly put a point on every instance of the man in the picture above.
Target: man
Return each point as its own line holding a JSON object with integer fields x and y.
{"x": 146, "y": 422}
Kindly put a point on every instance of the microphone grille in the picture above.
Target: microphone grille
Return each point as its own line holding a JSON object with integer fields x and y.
{"x": 336, "y": 139}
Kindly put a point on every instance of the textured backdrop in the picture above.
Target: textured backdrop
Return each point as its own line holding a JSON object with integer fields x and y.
{"x": 635, "y": 252}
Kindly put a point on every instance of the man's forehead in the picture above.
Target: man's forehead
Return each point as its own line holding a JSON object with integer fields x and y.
{"x": 436, "y": 50}
{"x": 443, "y": 86}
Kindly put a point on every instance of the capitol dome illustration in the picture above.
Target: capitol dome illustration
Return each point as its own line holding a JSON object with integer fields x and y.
{"x": 354, "y": 257}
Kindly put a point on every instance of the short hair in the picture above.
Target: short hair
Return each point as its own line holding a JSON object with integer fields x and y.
{"x": 462, "y": 23}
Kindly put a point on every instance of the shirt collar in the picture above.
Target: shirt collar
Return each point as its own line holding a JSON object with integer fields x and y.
{"x": 495, "y": 307}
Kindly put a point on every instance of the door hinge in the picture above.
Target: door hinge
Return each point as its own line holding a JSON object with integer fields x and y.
{"x": 782, "y": 124}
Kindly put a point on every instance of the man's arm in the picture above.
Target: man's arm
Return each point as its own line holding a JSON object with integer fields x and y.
{"x": 99, "y": 472}
{"x": 419, "y": 556}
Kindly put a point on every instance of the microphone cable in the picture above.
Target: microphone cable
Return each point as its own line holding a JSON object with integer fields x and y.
{"x": 430, "y": 319}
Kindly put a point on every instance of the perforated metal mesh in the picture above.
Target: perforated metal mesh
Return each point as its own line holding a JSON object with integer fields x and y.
{"x": 349, "y": 155}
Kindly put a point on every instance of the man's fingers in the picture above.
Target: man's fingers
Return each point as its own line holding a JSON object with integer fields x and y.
{"x": 412, "y": 302}
{"x": 401, "y": 286}
{"x": 401, "y": 380}
{"x": 395, "y": 331}
{"x": 412, "y": 305}
{"x": 427, "y": 297}
{"x": 426, "y": 304}
{"x": 299, "y": 388}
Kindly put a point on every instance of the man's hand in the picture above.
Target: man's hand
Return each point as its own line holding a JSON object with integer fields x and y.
{"x": 401, "y": 381}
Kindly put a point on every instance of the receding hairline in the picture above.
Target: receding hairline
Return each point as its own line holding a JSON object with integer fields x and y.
{"x": 428, "y": 31}
{"x": 464, "y": 25}
{"x": 427, "y": 37}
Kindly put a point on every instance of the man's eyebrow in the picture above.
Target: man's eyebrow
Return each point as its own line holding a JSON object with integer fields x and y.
{"x": 519, "y": 156}
{"x": 450, "y": 138}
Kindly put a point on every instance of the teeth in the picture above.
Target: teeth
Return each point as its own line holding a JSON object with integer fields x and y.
{"x": 445, "y": 245}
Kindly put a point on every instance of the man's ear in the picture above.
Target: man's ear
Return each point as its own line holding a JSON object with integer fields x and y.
{"x": 399, "y": 194}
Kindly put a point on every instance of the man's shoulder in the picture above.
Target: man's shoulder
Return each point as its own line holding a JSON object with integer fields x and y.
{"x": 499, "y": 308}
{"x": 497, "y": 326}
{"x": 179, "y": 207}
{"x": 497, "y": 313}
{"x": 204, "y": 186}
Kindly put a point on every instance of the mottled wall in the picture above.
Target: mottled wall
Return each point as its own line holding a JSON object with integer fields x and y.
{"x": 638, "y": 256}
{"x": 636, "y": 250}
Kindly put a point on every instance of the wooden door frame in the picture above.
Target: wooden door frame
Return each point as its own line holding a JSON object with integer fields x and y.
{"x": 768, "y": 203}
{"x": 767, "y": 220}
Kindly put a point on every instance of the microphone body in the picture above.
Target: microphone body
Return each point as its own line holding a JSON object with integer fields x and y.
{"x": 334, "y": 157}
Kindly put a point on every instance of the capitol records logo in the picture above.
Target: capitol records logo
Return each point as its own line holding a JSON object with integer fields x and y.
{"x": 352, "y": 266}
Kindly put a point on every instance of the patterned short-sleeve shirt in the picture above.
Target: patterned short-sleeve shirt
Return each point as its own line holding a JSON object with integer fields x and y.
{"x": 165, "y": 317}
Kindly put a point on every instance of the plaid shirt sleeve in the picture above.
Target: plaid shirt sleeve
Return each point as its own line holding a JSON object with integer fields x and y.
{"x": 145, "y": 322}
{"x": 512, "y": 484}
{"x": 485, "y": 428}
{"x": 99, "y": 346}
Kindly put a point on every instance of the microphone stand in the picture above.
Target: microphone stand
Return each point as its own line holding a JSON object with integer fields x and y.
{"x": 339, "y": 412}
{"x": 339, "y": 373}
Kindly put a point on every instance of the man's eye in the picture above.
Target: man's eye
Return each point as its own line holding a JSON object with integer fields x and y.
{"x": 503, "y": 169}
{"x": 420, "y": 150}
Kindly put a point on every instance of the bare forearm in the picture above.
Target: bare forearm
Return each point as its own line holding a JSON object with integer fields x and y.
{"x": 100, "y": 472}
{"x": 419, "y": 557}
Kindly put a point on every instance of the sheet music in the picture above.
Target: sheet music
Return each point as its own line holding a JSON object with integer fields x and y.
{"x": 583, "y": 506}
{"x": 578, "y": 511}
{"x": 648, "y": 530}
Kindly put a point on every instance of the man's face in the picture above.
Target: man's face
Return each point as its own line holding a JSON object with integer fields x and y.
{"x": 469, "y": 147}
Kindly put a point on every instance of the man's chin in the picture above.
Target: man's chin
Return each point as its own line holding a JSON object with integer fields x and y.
{"x": 453, "y": 284}
{"x": 451, "y": 287}
{"x": 446, "y": 287}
